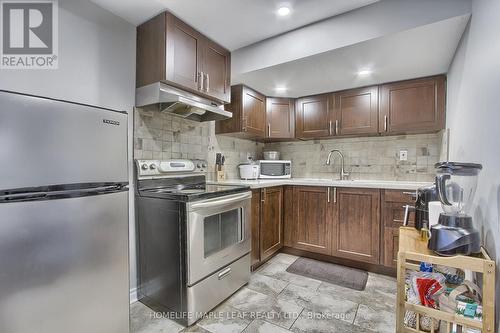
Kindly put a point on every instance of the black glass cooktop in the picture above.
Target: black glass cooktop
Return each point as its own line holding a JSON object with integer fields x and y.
{"x": 191, "y": 192}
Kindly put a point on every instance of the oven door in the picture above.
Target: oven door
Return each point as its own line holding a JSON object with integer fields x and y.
{"x": 218, "y": 233}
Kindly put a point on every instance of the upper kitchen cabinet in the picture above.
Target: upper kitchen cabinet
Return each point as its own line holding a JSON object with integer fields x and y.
{"x": 314, "y": 117}
{"x": 249, "y": 114}
{"x": 280, "y": 118}
{"x": 169, "y": 50}
{"x": 356, "y": 112}
{"x": 413, "y": 106}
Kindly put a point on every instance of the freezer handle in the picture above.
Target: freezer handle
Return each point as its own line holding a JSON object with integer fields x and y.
{"x": 60, "y": 192}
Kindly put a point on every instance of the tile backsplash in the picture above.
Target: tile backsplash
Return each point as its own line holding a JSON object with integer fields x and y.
{"x": 163, "y": 136}
{"x": 370, "y": 158}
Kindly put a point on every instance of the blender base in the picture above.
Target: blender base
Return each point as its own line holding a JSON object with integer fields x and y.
{"x": 454, "y": 234}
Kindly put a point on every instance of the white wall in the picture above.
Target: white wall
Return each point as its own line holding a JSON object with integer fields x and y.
{"x": 96, "y": 66}
{"x": 474, "y": 117}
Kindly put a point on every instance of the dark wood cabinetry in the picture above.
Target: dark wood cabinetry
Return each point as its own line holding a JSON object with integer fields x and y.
{"x": 392, "y": 214}
{"x": 280, "y": 118}
{"x": 314, "y": 117}
{"x": 356, "y": 112}
{"x": 271, "y": 223}
{"x": 312, "y": 220}
{"x": 170, "y": 50}
{"x": 249, "y": 114}
{"x": 356, "y": 224}
{"x": 413, "y": 106}
{"x": 267, "y": 224}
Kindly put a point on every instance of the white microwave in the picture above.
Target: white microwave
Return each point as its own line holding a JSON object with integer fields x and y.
{"x": 275, "y": 169}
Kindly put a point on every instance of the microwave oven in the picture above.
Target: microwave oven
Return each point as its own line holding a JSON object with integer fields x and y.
{"x": 275, "y": 169}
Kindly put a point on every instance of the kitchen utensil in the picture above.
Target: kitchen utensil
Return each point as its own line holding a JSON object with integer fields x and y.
{"x": 271, "y": 155}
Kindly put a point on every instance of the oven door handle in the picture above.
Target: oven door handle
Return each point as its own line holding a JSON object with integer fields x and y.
{"x": 220, "y": 201}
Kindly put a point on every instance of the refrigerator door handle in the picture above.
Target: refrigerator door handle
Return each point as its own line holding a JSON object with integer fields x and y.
{"x": 63, "y": 193}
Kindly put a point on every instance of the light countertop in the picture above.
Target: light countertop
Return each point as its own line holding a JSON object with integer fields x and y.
{"x": 382, "y": 184}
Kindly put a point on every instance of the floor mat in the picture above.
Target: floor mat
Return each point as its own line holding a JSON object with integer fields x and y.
{"x": 324, "y": 271}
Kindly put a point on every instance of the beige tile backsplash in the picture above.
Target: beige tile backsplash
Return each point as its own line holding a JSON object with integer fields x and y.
{"x": 370, "y": 158}
{"x": 163, "y": 136}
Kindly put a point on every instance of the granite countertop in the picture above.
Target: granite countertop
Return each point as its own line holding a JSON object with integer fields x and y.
{"x": 382, "y": 184}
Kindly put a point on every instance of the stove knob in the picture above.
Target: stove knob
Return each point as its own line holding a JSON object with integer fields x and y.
{"x": 144, "y": 166}
{"x": 198, "y": 166}
{"x": 152, "y": 166}
{"x": 204, "y": 165}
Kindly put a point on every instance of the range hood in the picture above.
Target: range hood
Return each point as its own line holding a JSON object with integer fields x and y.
{"x": 179, "y": 103}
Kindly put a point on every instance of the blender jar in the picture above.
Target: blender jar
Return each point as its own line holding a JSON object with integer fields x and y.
{"x": 456, "y": 185}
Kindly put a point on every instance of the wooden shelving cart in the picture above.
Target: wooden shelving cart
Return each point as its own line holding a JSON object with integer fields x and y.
{"x": 412, "y": 251}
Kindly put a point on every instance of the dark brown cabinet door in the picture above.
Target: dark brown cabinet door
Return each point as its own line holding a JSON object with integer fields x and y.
{"x": 170, "y": 50}
{"x": 254, "y": 112}
{"x": 249, "y": 114}
{"x": 280, "y": 114}
{"x": 356, "y": 111}
{"x": 312, "y": 220}
{"x": 255, "y": 253}
{"x": 356, "y": 226}
{"x": 271, "y": 223}
{"x": 184, "y": 52}
{"x": 391, "y": 246}
{"x": 412, "y": 106}
{"x": 216, "y": 71}
{"x": 313, "y": 117}
{"x": 392, "y": 213}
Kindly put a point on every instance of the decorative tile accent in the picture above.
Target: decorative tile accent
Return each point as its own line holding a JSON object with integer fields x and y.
{"x": 376, "y": 320}
{"x": 261, "y": 326}
{"x": 144, "y": 320}
{"x": 225, "y": 319}
{"x": 319, "y": 323}
{"x": 260, "y": 306}
{"x": 266, "y": 285}
{"x": 323, "y": 303}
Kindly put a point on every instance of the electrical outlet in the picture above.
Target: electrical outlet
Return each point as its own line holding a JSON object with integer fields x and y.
{"x": 403, "y": 155}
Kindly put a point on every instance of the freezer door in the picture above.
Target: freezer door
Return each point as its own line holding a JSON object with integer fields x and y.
{"x": 50, "y": 142}
{"x": 64, "y": 265}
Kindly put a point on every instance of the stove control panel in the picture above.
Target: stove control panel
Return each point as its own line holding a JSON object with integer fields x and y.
{"x": 148, "y": 168}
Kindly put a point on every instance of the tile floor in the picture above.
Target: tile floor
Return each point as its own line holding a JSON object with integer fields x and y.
{"x": 281, "y": 302}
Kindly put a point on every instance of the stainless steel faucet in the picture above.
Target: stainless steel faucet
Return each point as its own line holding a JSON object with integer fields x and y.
{"x": 343, "y": 174}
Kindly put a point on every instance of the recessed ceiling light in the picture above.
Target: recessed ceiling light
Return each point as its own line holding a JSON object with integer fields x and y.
{"x": 280, "y": 89}
{"x": 365, "y": 72}
{"x": 283, "y": 11}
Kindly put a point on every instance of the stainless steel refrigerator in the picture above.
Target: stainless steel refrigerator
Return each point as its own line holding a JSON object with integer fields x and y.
{"x": 63, "y": 217}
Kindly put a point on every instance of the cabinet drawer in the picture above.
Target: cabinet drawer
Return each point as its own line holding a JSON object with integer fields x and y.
{"x": 393, "y": 207}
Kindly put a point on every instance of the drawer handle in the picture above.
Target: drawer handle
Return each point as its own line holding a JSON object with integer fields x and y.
{"x": 407, "y": 208}
{"x": 224, "y": 273}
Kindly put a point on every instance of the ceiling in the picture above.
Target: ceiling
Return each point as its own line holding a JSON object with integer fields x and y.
{"x": 234, "y": 23}
{"x": 418, "y": 52}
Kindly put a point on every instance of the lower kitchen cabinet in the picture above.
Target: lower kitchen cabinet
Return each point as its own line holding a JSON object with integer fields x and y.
{"x": 312, "y": 223}
{"x": 393, "y": 207}
{"x": 267, "y": 223}
{"x": 356, "y": 224}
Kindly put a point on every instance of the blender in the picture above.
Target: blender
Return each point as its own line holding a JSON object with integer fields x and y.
{"x": 456, "y": 185}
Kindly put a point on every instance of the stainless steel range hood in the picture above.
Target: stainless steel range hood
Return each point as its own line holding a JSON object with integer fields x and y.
{"x": 179, "y": 103}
